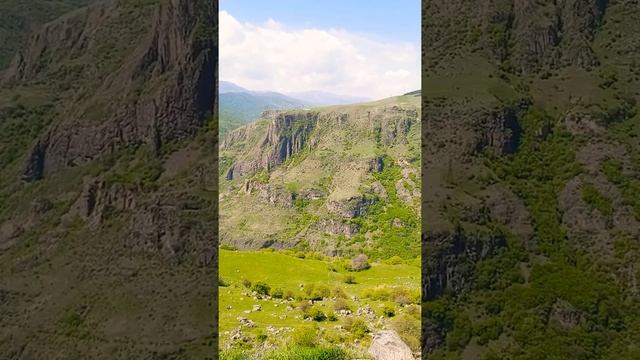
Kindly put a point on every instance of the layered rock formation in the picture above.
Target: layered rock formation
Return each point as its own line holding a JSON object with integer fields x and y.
{"x": 323, "y": 175}
{"x": 96, "y": 192}
{"x": 156, "y": 91}
{"x": 527, "y": 178}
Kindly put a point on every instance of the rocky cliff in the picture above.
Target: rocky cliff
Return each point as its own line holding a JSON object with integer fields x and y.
{"x": 530, "y": 111}
{"x": 154, "y": 92}
{"x": 109, "y": 153}
{"x": 318, "y": 173}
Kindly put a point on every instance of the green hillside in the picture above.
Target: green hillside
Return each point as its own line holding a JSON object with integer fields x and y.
{"x": 106, "y": 248}
{"x": 533, "y": 224}
{"x": 320, "y": 189}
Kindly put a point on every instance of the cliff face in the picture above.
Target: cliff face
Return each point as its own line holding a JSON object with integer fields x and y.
{"x": 108, "y": 152}
{"x": 530, "y": 120}
{"x": 286, "y": 135}
{"x": 318, "y": 173}
{"x": 155, "y": 92}
{"x": 526, "y": 35}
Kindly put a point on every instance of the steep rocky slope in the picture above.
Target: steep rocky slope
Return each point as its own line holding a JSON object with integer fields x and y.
{"x": 19, "y": 19}
{"x": 338, "y": 180}
{"x": 108, "y": 182}
{"x": 530, "y": 161}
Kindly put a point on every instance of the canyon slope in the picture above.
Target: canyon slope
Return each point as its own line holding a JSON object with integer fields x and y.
{"x": 339, "y": 180}
{"x": 530, "y": 163}
{"x": 108, "y": 184}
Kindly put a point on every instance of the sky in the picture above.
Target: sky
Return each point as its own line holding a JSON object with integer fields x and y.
{"x": 363, "y": 48}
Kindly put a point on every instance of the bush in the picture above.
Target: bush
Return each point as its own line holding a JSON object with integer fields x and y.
{"x": 246, "y": 283}
{"x": 304, "y": 336}
{"x": 339, "y": 293}
{"x": 277, "y": 293}
{"x": 304, "y": 306}
{"x": 357, "y": 327}
{"x": 261, "y": 288}
{"x": 233, "y": 355}
{"x": 410, "y": 330}
{"x": 395, "y": 260}
{"x": 308, "y": 353}
{"x": 289, "y": 295}
{"x": 397, "y": 294}
{"x": 222, "y": 282}
{"x": 317, "y": 292}
{"x": 360, "y": 262}
{"x": 331, "y": 316}
{"x": 350, "y": 279}
{"x": 389, "y": 311}
{"x": 317, "y": 315}
{"x": 341, "y": 304}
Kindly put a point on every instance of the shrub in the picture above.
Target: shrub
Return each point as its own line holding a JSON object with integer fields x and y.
{"x": 397, "y": 294}
{"x": 331, "y": 316}
{"x": 395, "y": 260}
{"x": 389, "y": 311}
{"x": 339, "y": 293}
{"x": 304, "y": 336}
{"x": 222, "y": 282}
{"x": 277, "y": 293}
{"x": 350, "y": 279}
{"x": 317, "y": 292}
{"x": 409, "y": 328}
{"x": 233, "y": 355}
{"x": 289, "y": 295}
{"x": 357, "y": 327}
{"x": 317, "y": 314}
{"x": 261, "y": 288}
{"x": 360, "y": 262}
{"x": 304, "y": 306}
{"x": 307, "y": 353}
{"x": 341, "y": 304}
{"x": 246, "y": 283}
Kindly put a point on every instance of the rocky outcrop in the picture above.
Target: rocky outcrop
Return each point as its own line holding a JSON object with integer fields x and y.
{"x": 350, "y": 208}
{"x": 99, "y": 197}
{"x": 269, "y": 193}
{"x": 555, "y": 34}
{"x": 177, "y": 227}
{"x": 565, "y": 315}
{"x": 529, "y": 36}
{"x": 450, "y": 258}
{"x": 387, "y": 345}
{"x": 286, "y": 135}
{"x": 158, "y": 91}
{"x": 462, "y": 131}
{"x": 335, "y": 227}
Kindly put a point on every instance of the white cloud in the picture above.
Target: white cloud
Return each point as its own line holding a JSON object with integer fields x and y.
{"x": 273, "y": 57}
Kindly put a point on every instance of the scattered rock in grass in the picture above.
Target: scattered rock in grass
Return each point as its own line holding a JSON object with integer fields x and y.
{"x": 387, "y": 345}
{"x": 245, "y": 322}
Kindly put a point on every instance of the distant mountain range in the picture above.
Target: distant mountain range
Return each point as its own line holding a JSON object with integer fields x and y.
{"x": 239, "y": 105}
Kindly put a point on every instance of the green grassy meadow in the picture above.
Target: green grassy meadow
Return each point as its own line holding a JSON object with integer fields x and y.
{"x": 281, "y": 321}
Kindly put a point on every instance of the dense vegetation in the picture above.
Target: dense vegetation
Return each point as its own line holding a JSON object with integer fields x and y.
{"x": 568, "y": 291}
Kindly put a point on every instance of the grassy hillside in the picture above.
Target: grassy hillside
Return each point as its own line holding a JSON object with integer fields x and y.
{"x": 350, "y": 187}
{"x": 280, "y": 320}
{"x": 320, "y": 189}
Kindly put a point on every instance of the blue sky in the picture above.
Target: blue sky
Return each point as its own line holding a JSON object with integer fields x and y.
{"x": 360, "y": 48}
{"x": 389, "y": 19}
